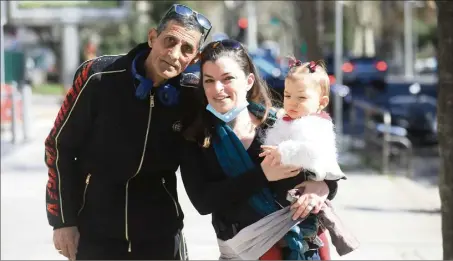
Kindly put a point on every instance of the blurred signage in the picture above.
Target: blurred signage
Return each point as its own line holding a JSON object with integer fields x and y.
{"x": 50, "y": 12}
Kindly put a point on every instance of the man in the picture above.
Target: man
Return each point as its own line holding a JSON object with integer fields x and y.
{"x": 113, "y": 151}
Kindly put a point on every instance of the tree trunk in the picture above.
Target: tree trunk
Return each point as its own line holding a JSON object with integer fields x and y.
{"x": 445, "y": 122}
{"x": 306, "y": 16}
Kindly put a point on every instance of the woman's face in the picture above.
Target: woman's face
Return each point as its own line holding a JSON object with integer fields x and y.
{"x": 225, "y": 84}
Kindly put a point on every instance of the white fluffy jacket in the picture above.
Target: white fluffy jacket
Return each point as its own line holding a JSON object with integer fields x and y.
{"x": 308, "y": 142}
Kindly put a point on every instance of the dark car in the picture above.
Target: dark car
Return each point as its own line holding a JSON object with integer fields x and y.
{"x": 193, "y": 68}
{"x": 271, "y": 72}
{"x": 360, "y": 71}
{"x": 414, "y": 111}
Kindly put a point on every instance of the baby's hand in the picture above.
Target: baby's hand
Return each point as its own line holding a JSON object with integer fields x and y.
{"x": 272, "y": 152}
{"x": 267, "y": 150}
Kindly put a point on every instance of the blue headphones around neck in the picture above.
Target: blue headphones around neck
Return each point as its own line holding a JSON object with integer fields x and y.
{"x": 167, "y": 94}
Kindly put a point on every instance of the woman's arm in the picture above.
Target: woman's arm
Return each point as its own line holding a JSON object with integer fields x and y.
{"x": 209, "y": 195}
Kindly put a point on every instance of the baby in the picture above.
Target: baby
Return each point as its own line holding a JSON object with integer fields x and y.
{"x": 305, "y": 136}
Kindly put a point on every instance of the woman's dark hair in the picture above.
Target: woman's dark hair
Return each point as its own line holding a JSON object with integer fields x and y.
{"x": 203, "y": 125}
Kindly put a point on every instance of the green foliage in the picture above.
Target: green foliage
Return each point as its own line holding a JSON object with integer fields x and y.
{"x": 158, "y": 9}
{"x": 49, "y": 89}
{"x": 121, "y": 37}
{"x": 429, "y": 36}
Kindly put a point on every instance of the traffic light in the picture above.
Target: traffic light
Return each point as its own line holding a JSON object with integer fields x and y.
{"x": 242, "y": 25}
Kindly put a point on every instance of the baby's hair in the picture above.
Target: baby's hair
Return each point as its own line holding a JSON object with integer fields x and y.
{"x": 316, "y": 69}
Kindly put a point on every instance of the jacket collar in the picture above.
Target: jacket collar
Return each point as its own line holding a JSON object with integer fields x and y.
{"x": 138, "y": 49}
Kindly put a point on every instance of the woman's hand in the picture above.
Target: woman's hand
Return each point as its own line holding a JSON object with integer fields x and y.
{"x": 313, "y": 197}
{"x": 277, "y": 172}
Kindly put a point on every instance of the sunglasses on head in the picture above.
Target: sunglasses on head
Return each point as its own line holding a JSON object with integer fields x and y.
{"x": 183, "y": 10}
{"x": 226, "y": 43}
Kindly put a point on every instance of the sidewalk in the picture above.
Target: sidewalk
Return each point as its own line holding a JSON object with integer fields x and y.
{"x": 44, "y": 108}
{"x": 393, "y": 218}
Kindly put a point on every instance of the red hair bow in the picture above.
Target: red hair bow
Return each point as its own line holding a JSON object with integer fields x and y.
{"x": 312, "y": 66}
{"x": 294, "y": 62}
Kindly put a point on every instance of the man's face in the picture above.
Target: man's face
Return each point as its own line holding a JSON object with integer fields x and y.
{"x": 172, "y": 51}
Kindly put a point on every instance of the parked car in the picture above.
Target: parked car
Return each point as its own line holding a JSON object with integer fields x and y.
{"x": 360, "y": 71}
{"x": 415, "y": 112}
{"x": 271, "y": 72}
{"x": 193, "y": 68}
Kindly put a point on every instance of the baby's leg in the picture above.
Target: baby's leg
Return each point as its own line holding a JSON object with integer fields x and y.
{"x": 274, "y": 253}
{"x": 324, "y": 251}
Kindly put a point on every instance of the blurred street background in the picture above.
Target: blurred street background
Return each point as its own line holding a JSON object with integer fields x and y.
{"x": 381, "y": 59}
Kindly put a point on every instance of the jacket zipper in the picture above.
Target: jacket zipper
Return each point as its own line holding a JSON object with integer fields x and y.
{"x": 171, "y": 196}
{"x": 87, "y": 182}
{"x": 151, "y": 105}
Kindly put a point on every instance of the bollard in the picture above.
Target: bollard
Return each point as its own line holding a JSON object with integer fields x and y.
{"x": 13, "y": 98}
{"x": 26, "y": 92}
{"x": 386, "y": 142}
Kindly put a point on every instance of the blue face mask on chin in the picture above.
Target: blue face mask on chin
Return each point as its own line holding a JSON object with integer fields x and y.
{"x": 229, "y": 115}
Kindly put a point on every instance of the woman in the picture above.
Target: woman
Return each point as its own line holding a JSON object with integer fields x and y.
{"x": 221, "y": 170}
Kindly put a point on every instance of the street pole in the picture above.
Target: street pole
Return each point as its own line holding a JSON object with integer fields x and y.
{"x": 252, "y": 28}
{"x": 70, "y": 48}
{"x": 14, "y": 98}
{"x": 408, "y": 41}
{"x": 27, "y": 96}
{"x": 338, "y": 101}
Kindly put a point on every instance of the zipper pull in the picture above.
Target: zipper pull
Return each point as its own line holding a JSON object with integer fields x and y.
{"x": 129, "y": 249}
{"x": 151, "y": 100}
{"x": 163, "y": 181}
{"x": 87, "y": 181}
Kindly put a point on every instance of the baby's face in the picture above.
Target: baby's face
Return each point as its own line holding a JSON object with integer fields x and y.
{"x": 301, "y": 97}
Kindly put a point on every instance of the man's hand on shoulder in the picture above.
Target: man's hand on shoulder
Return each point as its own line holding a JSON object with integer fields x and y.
{"x": 66, "y": 241}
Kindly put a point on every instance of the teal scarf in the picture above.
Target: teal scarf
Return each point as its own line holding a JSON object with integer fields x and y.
{"x": 235, "y": 161}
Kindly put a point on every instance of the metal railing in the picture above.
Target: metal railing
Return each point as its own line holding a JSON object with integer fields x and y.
{"x": 408, "y": 149}
{"x": 384, "y": 137}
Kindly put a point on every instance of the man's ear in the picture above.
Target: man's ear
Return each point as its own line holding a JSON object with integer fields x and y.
{"x": 152, "y": 36}
{"x": 196, "y": 59}
{"x": 250, "y": 81}
{"x": 323, "y": 102}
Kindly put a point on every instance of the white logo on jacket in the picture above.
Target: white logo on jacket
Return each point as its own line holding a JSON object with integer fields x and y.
{"x": 307, "y": 142}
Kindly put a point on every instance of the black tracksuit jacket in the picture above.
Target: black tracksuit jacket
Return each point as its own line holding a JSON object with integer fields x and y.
{"x": 112, "y": 157}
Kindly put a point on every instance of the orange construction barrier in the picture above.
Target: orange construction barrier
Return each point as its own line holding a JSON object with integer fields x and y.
{"x": 6, "y": 105}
